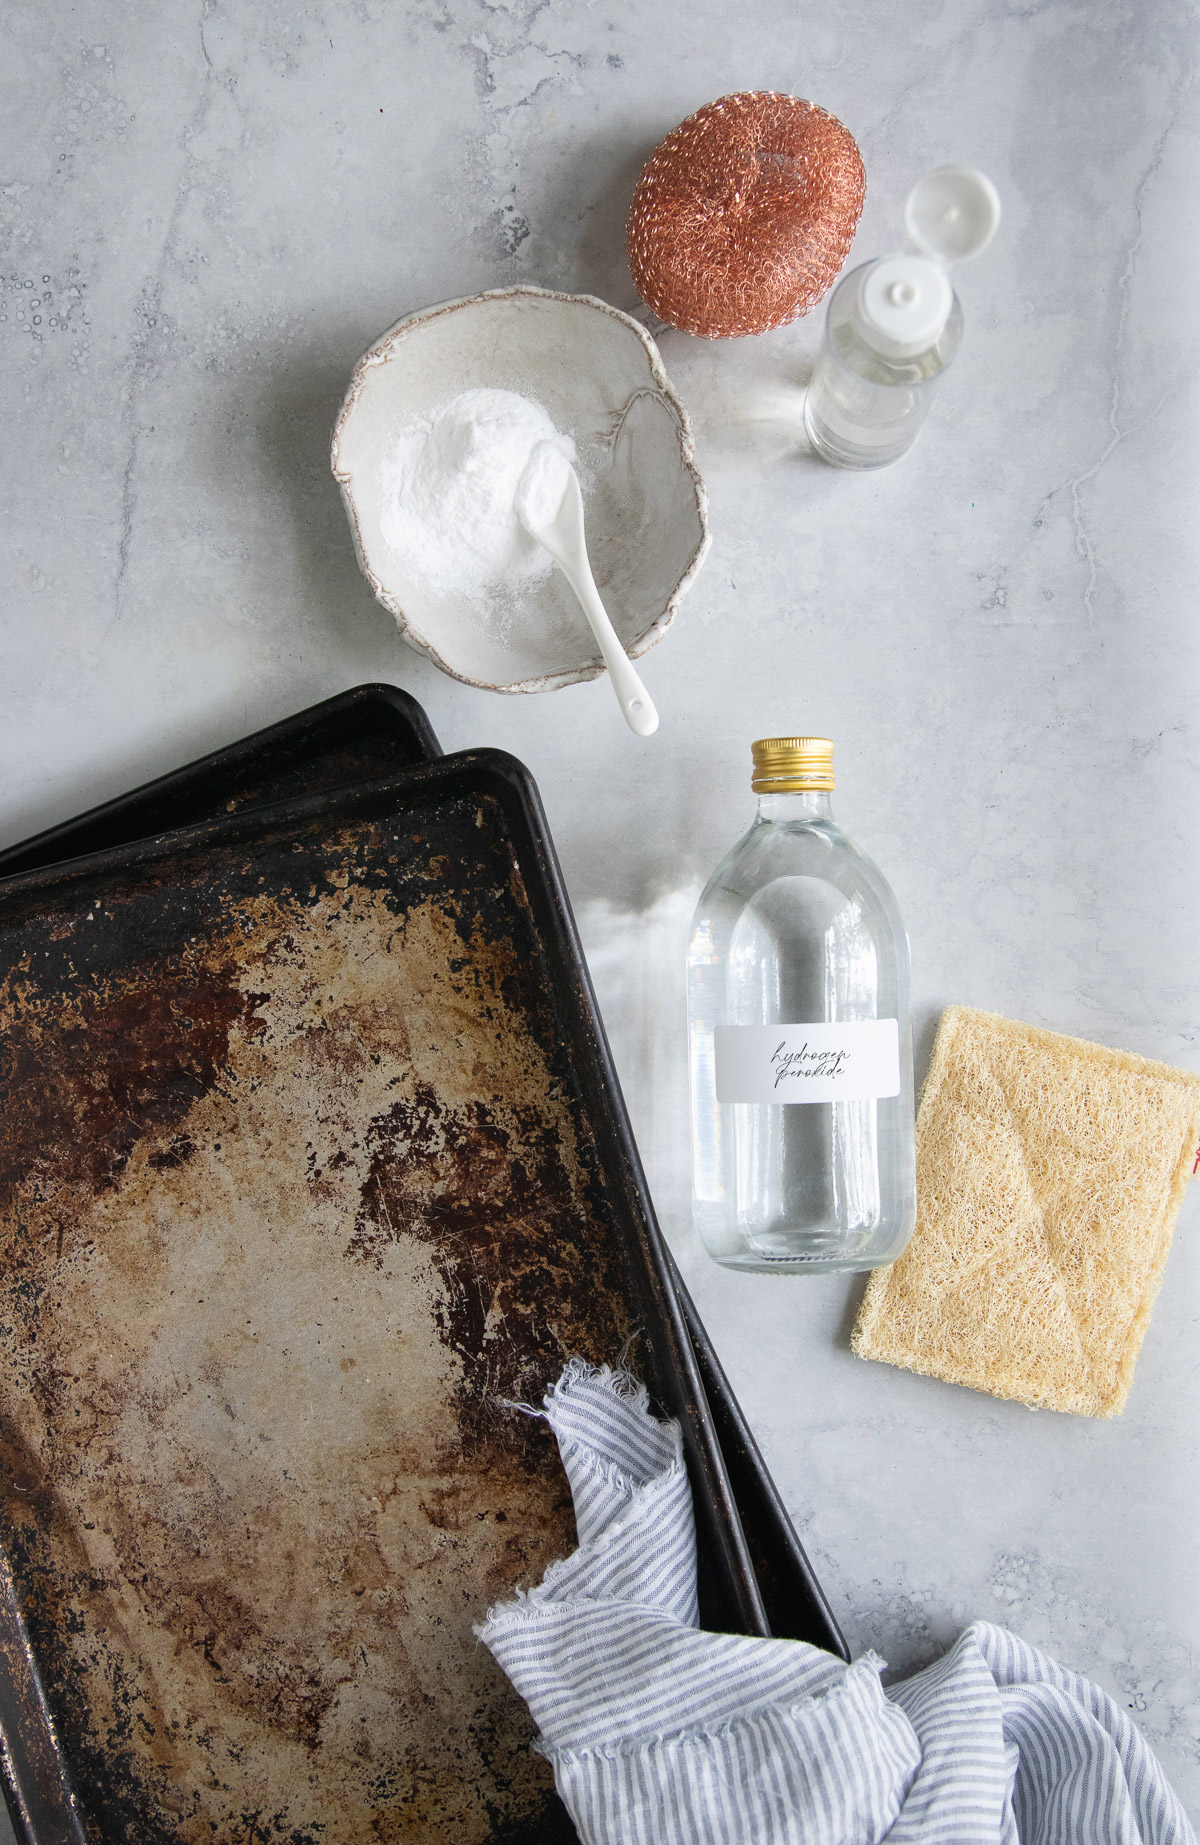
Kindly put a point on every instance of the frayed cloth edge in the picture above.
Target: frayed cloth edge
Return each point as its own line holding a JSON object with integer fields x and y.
{"x": 863, "y": 1668}
{"x": 526, "y": 1604}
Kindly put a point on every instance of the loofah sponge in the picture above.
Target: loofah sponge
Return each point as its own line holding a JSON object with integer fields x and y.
{"x": 1049, "y": 1176}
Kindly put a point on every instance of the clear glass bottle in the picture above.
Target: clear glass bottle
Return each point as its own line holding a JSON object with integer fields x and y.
{"x": 894, "y": 325}
{"x": 800, "y": 1039}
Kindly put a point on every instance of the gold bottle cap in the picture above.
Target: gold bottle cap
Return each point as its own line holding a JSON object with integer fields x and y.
{"x": 790, "y": 765}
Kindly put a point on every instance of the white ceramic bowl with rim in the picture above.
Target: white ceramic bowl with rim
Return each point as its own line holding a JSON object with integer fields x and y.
{"x": 599, "y": 376}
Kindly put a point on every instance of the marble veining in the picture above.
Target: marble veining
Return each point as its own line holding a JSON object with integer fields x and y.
{"x": 209, "y": 210}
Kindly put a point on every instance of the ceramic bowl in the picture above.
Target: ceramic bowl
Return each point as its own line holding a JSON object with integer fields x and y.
{"x": 599, "y": 375}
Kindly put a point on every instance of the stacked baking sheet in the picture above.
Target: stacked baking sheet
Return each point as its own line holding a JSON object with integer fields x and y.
{"x": 313, "y": 1162}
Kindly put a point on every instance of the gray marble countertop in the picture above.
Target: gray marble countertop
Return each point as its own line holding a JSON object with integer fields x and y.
{"x": 211, "y": 209}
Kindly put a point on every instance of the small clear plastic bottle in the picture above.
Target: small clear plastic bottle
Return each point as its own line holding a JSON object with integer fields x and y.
{"x": 865, "y": 406}
{"x": 800, "y": 1040}
{"x": 893, "y": 326}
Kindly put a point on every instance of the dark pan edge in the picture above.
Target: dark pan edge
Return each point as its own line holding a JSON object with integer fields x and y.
{"x": 724, "y": 1532}
{"x": 60, "y": 843}
{"x": 799, "y": 1610}
{"x": 37, "y": 1792}
{"x": 231, "y": 829}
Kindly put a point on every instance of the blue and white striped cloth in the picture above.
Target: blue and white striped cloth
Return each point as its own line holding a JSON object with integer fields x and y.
{"x": 662, "y": 1734}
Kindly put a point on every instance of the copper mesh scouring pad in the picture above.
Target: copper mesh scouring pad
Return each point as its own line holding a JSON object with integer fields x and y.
{"x": 744, "y": 214}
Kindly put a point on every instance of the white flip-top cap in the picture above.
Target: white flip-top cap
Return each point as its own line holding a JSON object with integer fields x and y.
{"x": 952, "y": 213}
{"x": 903, "y": 304}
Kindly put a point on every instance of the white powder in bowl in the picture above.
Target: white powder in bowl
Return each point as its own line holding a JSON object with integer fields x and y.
{"x": 449, "y": 496}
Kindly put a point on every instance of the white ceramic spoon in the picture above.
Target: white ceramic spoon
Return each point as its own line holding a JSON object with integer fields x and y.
{"x": 550, "y": 507}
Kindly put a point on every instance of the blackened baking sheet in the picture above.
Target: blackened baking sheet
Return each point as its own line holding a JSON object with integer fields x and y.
{"x": 304, "y": 1169}
{"x": 378, "y": 729}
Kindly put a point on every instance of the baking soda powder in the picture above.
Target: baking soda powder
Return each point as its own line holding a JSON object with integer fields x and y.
{"x": 449, "y": 496}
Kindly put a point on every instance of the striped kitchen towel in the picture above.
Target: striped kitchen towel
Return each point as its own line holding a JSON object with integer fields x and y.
{"x": 662, "y": 1734}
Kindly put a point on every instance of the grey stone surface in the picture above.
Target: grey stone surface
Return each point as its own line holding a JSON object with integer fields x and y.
{"x": 210, "y": 209}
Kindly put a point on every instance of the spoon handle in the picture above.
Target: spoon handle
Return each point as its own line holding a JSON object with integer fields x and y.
{"x": 637, "y": 706}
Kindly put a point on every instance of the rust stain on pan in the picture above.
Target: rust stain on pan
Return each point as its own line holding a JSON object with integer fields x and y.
{"x": 293, "y": 1186}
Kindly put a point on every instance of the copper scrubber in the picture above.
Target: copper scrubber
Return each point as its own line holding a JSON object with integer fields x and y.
{"x": 744, "y": 214}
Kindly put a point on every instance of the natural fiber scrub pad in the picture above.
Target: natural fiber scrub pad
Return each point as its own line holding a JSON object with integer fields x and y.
{"x": 1049, "y": 1176}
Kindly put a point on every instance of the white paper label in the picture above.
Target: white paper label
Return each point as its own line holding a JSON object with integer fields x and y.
{"x": 808, "y": 1063}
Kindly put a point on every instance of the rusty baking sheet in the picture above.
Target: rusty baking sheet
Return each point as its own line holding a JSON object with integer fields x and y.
{"x": 377, "y": 729}
{"x": 309, "y": 1159}
{"x": 371, "y": 729}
